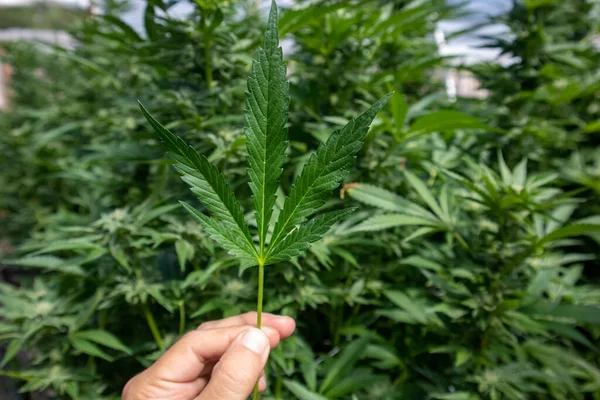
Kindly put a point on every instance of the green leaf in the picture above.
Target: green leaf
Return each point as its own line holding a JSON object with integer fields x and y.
{"x": 48, "y": 263}
{"x": 210, "y": 186}
{"x": 344, "y": 363}
{"x": 185, "y": 252}
{"x": 301, "y": 392}
{"x": 386, "y": 200}
{"x": 300, "y": 239}
{"x": 575, "y": 312}
{"x": 323, "y": 172}
{"x": 425, "y": 194}
{"x": 89, "y": 348}
{"x": 406, "y": 303}
{"x": 14, "y": 346}
{"x": 359, "y": 378}
{"x": 235, "y": 244}
{"x": 104, "y": 338}
{"x": 443, "y": 121}
{"x": 399, "y": 111}
{"x": 266, "y": 114}
{"x": 532, "y": 4}
{"x": 568, "y": 231}
{"x": 386, "y": 221}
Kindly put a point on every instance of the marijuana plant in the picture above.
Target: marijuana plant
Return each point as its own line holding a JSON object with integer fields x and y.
{"x": 266, "y": 115}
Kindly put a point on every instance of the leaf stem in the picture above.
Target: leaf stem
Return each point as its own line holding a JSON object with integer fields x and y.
{"x": 152, "y": 324}
{"x": 181, "y": 317}
{"x": 208, "y": 69}
{"x": 259, "y": 307}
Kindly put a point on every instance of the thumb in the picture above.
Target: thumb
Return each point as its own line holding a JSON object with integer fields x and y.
{"x": 235, "y": 375}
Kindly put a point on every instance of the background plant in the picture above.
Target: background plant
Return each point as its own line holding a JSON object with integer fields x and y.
{"x": 469, "y": 270}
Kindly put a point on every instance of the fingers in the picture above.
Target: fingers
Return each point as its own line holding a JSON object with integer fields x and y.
{"x": 284, "y": 325}
{"x": 240, "y": 367}
{"x": 193, "y": 354}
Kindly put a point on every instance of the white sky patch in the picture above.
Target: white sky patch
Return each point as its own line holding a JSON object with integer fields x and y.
{"x": 70, "y": 3}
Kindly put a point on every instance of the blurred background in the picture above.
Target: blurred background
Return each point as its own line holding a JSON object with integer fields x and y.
{"x": 469, "y": 271}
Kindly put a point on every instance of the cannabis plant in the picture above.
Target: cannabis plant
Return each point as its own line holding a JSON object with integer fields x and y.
{"x": 266, "y": 115}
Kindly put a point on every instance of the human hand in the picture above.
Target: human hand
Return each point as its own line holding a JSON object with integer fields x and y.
{"x": 221, "y": 360}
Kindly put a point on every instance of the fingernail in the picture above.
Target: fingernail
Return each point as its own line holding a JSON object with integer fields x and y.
{"x": 262, "y": 380}
{"x": 255, "y": 340}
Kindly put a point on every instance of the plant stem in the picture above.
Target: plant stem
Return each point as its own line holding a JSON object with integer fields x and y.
{"x": 152, "y": 324}
{"x": 208, "y": 70}
{"x": 181, "y": 317}
{"x": 259, "y": 306}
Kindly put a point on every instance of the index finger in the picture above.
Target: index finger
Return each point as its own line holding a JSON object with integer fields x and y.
{"x": 283, "y": 324}
{"x": 187, "y": 359}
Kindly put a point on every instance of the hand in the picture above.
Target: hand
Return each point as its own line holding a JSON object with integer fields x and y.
{"x": 221, "y": 360}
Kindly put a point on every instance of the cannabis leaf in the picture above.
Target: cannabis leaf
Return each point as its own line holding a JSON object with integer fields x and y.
{"x": 323, "y": 172}
{"x": 266, "y": 115}
{"x": 227, "y": 225}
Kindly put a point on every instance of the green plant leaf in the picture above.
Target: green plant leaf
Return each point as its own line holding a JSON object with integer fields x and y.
{"x": 346, "y": 360}
{"x": 302, "y": 392}
{"x": 266, "y": 114}
{"x": 300, "y": 239}
{"x": 568, "y": 231}
{"x": 323, "y": 172}
{"x": 425, "y": 194}
{"x": 399, "y": 111}
{"x": 386, "y": 200}
{"x": 386, "y": 221}
{"x": 104, "y": 338}
{"x": 210, "y": 186}
{"x": 89, "y": 348}
{"x": 445, "y": 120}
{"x": 227, "y": 239}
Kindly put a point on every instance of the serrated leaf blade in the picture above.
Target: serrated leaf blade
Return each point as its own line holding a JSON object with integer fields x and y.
{"x": 266, "y": 114}
{"x": 207, "y": 183}
{"x": 230, "y": 241}
{"x": 323, "y": 172}
{"x": 301, "y": 238}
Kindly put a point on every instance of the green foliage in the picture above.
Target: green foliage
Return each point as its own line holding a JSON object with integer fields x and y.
{"x": 460, "y": 261}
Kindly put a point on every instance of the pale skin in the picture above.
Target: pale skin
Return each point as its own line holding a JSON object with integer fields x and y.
{"x": 221, "y": 360}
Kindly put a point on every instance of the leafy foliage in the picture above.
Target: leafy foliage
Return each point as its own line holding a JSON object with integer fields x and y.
{"x": 460, "y": 261}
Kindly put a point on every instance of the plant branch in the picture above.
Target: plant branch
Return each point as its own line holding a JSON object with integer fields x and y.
{"x": 153, "y": 327}
{"x": 259, "y": 306}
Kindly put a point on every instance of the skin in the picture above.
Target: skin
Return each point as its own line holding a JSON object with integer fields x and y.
{"x": 220, "y": 360}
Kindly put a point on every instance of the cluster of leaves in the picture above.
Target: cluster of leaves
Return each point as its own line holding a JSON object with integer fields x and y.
{"x": 468, "y": 271}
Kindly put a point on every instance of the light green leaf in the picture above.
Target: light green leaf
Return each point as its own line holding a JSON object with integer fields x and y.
{"x": 185, "y": 252}
{"x": 266, "y": 114}
{"x": 399, "y": 111}
{"x": 443, "y": 121}
{"x": 568, "y": 231}
{"x": 386, "y": 221}
{"x": 406, "y": 303}
{"x": 302, "y": 392}
{"x": 386, "y": 200}
{"x": 210, "y": 186}
{"x": 425, "y": 194}
{"x": 323, "y": 172}
{"x": 574, "y": 312}
{"x": 532, "y": 4}
{"x": 48, "y": 263}
{"x": 235, "y": 244}
{"x": 344, "y": 363}
{"x": 89, "y": 348}
{"x": 104, "y": 338}
{"x": 301, "y": 238}
{"x": 14, "y": 346}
